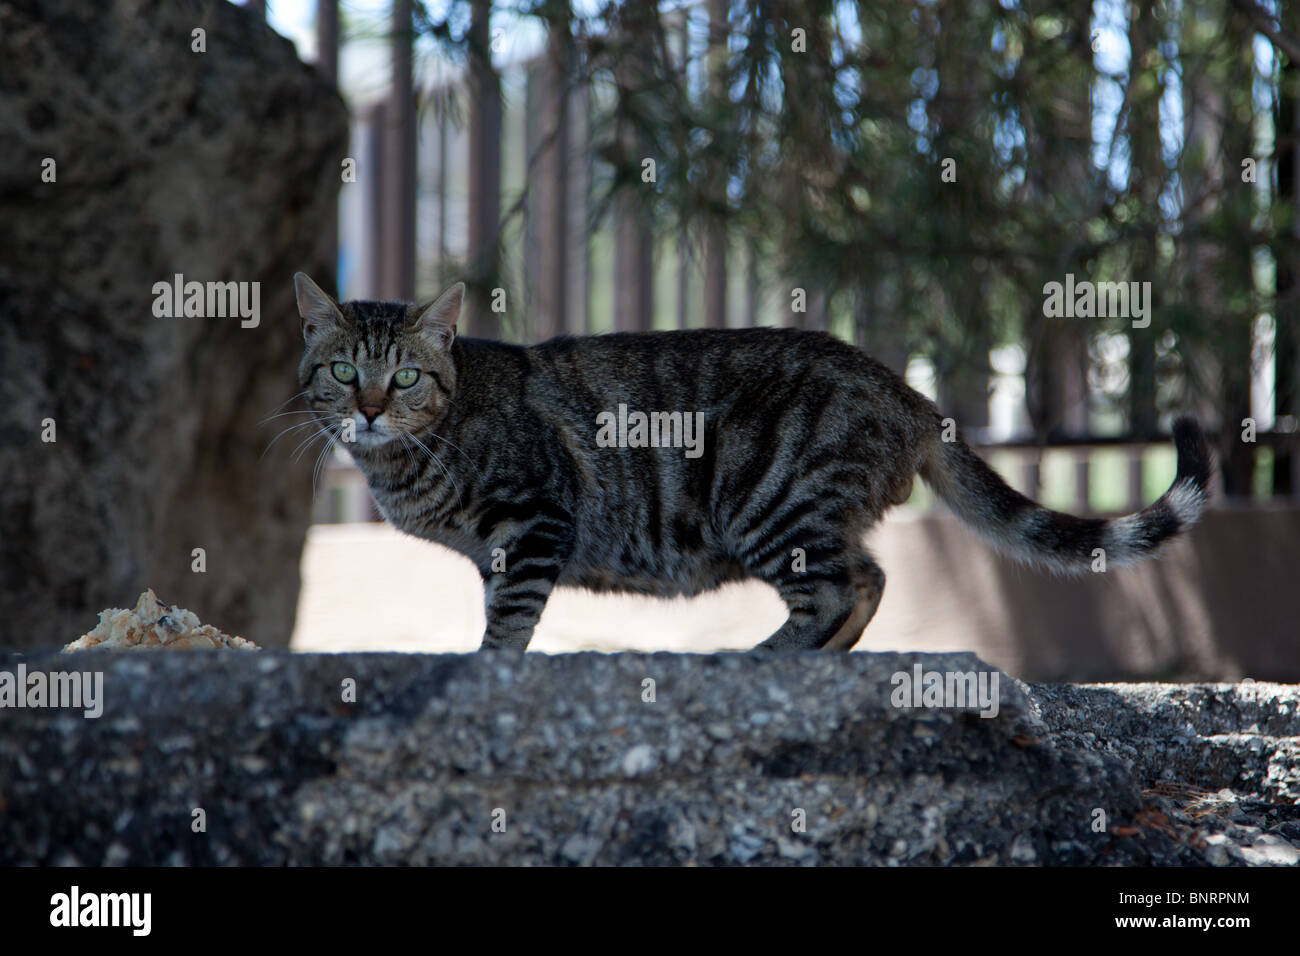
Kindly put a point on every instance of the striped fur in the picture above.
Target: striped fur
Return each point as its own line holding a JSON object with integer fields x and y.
{"x": 1034, "y": 535}
{"x": 807, "y": 442}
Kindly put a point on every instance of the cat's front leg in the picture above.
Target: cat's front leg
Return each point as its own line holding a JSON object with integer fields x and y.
{"x": 527, "y": 560}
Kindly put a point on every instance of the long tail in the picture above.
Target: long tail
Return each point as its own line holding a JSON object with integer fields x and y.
{"x": 1032, "y": 534}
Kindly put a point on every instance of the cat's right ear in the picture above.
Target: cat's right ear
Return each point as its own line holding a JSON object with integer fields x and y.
{"x": 437, "y": 320}
{"x": 318, "y": 310}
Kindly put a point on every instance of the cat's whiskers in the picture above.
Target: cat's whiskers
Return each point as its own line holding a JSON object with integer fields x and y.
{"x": 406, "y": 443}
{"x": 281, "y": 405}
{"x": 304, "y": 411}
{"x": 306, "y": 443}
{"x": 316, "y": 420}
{"x": 458, "y": 448}
{"x": 320, "y": 459}
{"x": 445, "y": 470}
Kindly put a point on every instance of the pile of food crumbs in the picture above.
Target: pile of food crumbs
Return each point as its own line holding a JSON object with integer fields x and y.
{"x": 152, "y": 625}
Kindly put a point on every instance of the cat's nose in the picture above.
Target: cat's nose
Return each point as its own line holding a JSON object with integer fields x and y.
{"x": 371, "y": 412}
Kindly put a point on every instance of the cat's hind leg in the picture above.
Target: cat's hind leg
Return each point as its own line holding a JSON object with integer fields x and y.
{"x": 829, "y": 607}
{"x": 870, "y": 588}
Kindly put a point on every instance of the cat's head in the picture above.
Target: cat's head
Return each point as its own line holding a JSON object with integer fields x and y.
{"x": 385, "y": 365}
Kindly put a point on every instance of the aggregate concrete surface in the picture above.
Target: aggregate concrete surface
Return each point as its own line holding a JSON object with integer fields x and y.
{"x": 500, "y": 758}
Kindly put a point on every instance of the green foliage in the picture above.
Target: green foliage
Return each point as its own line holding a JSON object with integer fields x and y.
{"x": 827, "y": 149}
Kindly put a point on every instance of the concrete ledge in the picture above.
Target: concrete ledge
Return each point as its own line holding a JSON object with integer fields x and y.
{"x": 579, "y": 764}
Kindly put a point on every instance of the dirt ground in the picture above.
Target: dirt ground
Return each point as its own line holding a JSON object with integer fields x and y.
{"x": 367, "y": 587}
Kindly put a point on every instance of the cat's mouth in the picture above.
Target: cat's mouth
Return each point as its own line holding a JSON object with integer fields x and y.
{"x": 372, "y": 435}
{"x": 367, "y": 434}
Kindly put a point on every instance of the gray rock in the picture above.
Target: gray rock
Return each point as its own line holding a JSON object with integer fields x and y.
{"x": 1216, "y": 850}
{"x": 1269, "y": 850}
{"x": 220, "y": 166}
{"x": 795, "y": 849}
{"x": 580, "y": 849}
{"x": 1022, "y": 849}
{"x": 639, "y": 760}
{"x": 288, "y": 774}
{"x": 746, "y": 842}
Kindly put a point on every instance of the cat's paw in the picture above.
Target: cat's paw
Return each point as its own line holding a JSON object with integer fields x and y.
{"x": 491, "y": 643}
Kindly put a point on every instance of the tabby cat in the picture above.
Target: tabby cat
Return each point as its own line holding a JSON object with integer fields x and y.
{"x": 571, "y": 463}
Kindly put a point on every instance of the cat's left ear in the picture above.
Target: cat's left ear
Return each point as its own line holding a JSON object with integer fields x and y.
{"x": 318, "y": 310}
{"x": 437, "y": 320}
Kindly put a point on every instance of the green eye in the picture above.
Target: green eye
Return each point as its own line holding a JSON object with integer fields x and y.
{"x": 344, "y": 372}
{"x": 406, "y": 377}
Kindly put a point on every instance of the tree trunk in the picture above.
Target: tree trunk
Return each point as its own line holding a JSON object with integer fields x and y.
{"x": 484, "y": 266}
{"x": 1286, "y": 251}
{"x": 633, "y": 222}
{"x": 715, "y": 229}
{"x": 552, "y": 176}
{"x": 397, "y": 267}
{"x": 1218, "y": 134}
{"x": 157, "y": 444}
